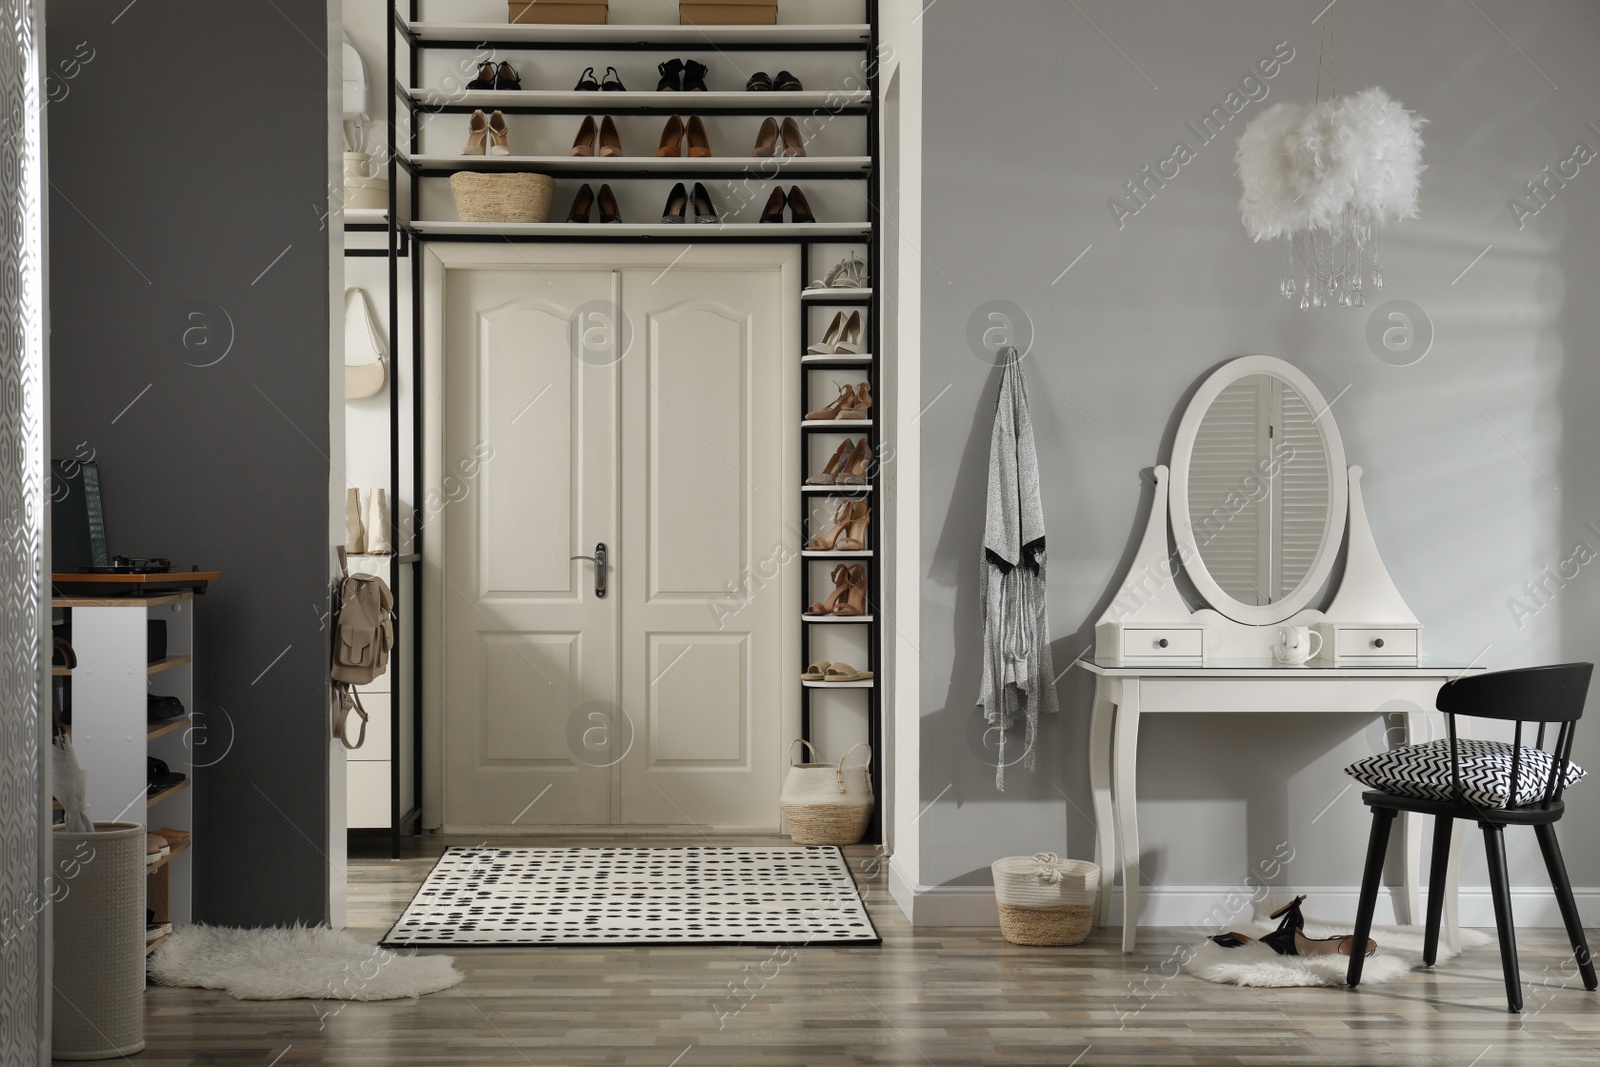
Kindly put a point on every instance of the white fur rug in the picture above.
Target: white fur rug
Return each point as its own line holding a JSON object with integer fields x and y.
{"x": 309, "y": 962}
{"x": 1255, "y": 964}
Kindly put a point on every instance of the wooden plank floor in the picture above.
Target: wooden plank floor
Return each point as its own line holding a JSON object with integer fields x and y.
{"x": 928, "y": 997}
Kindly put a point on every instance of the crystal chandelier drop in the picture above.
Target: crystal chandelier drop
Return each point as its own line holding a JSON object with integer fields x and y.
{"x": 1327, "y": 177}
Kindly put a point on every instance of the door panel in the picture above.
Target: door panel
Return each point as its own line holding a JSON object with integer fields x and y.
{"x": 528, "y": 648}
{"x": 704, "y": 435}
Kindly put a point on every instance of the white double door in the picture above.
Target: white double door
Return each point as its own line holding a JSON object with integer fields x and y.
{"x": 635, "y": 415}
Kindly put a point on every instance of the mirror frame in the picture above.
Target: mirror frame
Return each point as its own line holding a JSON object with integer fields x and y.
{"x": 1338, "y": 483}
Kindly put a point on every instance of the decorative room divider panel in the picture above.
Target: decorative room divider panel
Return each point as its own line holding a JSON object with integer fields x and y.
{"x": 24, "y": 943}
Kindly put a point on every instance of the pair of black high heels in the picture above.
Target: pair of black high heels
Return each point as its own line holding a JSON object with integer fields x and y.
{"x": 586, "y": 199}
{"x": 681, "y": 75}
{"x": 588, "y": 84}
{"x": 1289, "y": 940}
{"x": 796, "y": 201}
{"x": 678, "y": 205}
{"x": 490, "y": 76}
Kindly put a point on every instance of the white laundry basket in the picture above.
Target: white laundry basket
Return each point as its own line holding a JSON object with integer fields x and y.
{"x": 98, "y": 1010}
{"x": 1045, "y": 900}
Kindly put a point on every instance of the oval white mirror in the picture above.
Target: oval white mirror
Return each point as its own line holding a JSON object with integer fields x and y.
{"x": 1259, "y": 490}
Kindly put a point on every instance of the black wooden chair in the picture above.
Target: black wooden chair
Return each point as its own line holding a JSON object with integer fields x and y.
{"x": 1532, "y": 797}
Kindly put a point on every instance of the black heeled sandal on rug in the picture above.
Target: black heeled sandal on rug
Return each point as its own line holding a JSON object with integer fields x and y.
{"x": 1289, "y": 940}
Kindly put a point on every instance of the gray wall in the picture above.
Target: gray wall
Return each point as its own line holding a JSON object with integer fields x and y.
{"x": 189, "y": 168}
{"x": 1478, "y": 458}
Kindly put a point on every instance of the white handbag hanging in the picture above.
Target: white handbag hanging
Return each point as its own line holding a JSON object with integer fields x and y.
{"x": 367, "y": 379}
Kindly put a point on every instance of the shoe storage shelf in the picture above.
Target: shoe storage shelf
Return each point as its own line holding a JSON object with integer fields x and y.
{"x": 429, "y": 65}
{"x": 113, "y": 737}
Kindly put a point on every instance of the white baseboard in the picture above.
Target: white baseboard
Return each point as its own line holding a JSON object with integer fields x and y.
{"x": 1208, "y": 907}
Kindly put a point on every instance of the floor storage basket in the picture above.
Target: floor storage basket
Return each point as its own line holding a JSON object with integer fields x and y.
{"x": 1045, "y": 900}
{"x": 98, "y": 1011}
{"x": 826, "y": 803}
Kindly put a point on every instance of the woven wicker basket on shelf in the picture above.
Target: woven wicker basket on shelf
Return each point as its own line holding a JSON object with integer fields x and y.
{"x": 826, "y": 803}
{"x": 502, "y": 197}
{"x": 1045, "y": 900}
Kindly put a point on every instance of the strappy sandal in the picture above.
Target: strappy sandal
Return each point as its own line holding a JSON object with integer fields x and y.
{"x": 841, "y": 525}
{"x": 835, "y": 599}
{"x": 485, "y": 78}
{"x": 846, "y": 400}
{"x": 815, "y": 672}
{"x": 1289, "y": 940}
{"x": 843, "y": 672}
{"x": 861, "y": 406}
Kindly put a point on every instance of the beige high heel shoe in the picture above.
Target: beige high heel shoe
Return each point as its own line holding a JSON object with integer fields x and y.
{"x": 588, "y": 132}
{"x": 499, "y": 135}
{"x": 825, "y": 347}
{"x": 793, "y": 143}
{"x": 841, "y": 523}
{"x": 477, "y": 135}
{"x": 854, "y": 469}
{"x": 860, "y": 405}
{"x": 610, "y": 141}
{"x": 844, "y": 401}
{"x": 767, "y": 139}
{"x": 835, "y": 464}
{"x": 841, "y": 590}
{"x": 695, "y": 133}
{"x": 855, "y": 598}
{"x": 671, "y": 138}
{"x": 849, "y": 342}
{"x": 855, "y": 539}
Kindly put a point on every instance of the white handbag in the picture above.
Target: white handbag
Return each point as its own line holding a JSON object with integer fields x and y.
{"x": 366, "y": 380}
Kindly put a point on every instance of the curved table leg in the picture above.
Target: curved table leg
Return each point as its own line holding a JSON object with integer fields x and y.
{"x": 1126, "y": 798}
{"x": 1100, "y": 787}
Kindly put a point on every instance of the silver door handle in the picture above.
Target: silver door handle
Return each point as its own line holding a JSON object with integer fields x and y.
{"x": 599, "y": 561}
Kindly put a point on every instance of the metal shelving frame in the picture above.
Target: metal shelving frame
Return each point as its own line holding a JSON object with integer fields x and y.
{"x": 408, "y": 32}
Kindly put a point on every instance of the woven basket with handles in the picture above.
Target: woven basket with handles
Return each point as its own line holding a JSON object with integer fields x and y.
{"x": 1045, "y": 900}
{"x": 826, "y": 803}
{"x": 502, "y": 197}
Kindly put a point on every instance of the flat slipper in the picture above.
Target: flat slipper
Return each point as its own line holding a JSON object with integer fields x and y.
{"x": 843, "y": 672}
{"x": 815, "y": 672}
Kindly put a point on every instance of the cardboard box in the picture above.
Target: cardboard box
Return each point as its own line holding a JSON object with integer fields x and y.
{"x": 728, "y": 12}
{"x": 563, "y": 12}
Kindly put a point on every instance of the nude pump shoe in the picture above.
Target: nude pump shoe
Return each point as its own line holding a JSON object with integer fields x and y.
{"x": 588, "y": 132}
{"x": 845, "y": 400}
{"x": 767, "y": 139}
{"x": 610, "y": 141}
{"x": 695, "y": 133}
{"x": 477, "y": 135}
{"x": 671, "y": 138}
{"x": 860, "y": 404}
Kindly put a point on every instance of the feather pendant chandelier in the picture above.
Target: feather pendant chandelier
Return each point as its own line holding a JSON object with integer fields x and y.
{"x": 1327, "y": 177}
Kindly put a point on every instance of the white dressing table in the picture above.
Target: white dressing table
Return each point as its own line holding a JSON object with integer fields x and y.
{"x": 1260, "y": 504}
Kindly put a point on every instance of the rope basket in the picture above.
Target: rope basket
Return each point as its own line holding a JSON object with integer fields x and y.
{"x": 1045, "y": 900}
{"x": 502, "y": 197}
{"x": 826, "y": 803}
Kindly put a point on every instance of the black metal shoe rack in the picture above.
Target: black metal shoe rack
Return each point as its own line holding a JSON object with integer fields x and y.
{"x": 408, "y": 232}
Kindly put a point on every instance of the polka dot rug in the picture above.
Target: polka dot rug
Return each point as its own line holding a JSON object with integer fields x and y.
{"x": 697, "y": 895}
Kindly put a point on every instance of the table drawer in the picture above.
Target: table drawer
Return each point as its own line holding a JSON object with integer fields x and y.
{"x": 1375, "y": 641}
{"x": 1163, "y": 643}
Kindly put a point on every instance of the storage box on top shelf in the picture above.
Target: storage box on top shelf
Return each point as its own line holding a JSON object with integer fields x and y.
{"x": 728, "y": 12}
{"x": 565, "y": 12}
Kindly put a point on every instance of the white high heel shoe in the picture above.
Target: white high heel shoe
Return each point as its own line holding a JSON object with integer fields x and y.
{"x": 825, "y": 347}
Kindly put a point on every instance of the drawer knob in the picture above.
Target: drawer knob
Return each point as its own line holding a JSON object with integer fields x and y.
{"x": 1161, "y": 643}
{"x": 1377, "y": 642}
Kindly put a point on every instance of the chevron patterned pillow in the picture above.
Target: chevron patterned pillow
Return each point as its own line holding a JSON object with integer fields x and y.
{"x": 1423, "y": 771}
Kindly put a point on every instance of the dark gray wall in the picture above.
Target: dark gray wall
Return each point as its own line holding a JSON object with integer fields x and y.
{"x": 188, "y": 162}
{"x": 1479, "y": 458}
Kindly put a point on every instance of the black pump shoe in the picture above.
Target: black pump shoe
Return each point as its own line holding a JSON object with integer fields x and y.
{"x": 703, "y": 211}
{"x": 798, "y": 206}
{"x": 773, "y": 212}
{"x": 581, "y": 204}
{"x": 694, "y": 76}
{"x": 671, "y": 75}
{"x": 613, "y": 82}
{"x": 677, "y": 203}
{"x": 586, "y": 82}
{"x": 505, "y": 77}
{"x": 607, "y": 203}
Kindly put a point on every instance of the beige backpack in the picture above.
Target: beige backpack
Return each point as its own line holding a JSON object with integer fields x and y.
{"x": 363, "y": 632}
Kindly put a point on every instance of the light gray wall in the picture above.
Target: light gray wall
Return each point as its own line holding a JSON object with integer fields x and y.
{"x": 1478, "y": 458}
{"x": 189, "y": 161}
